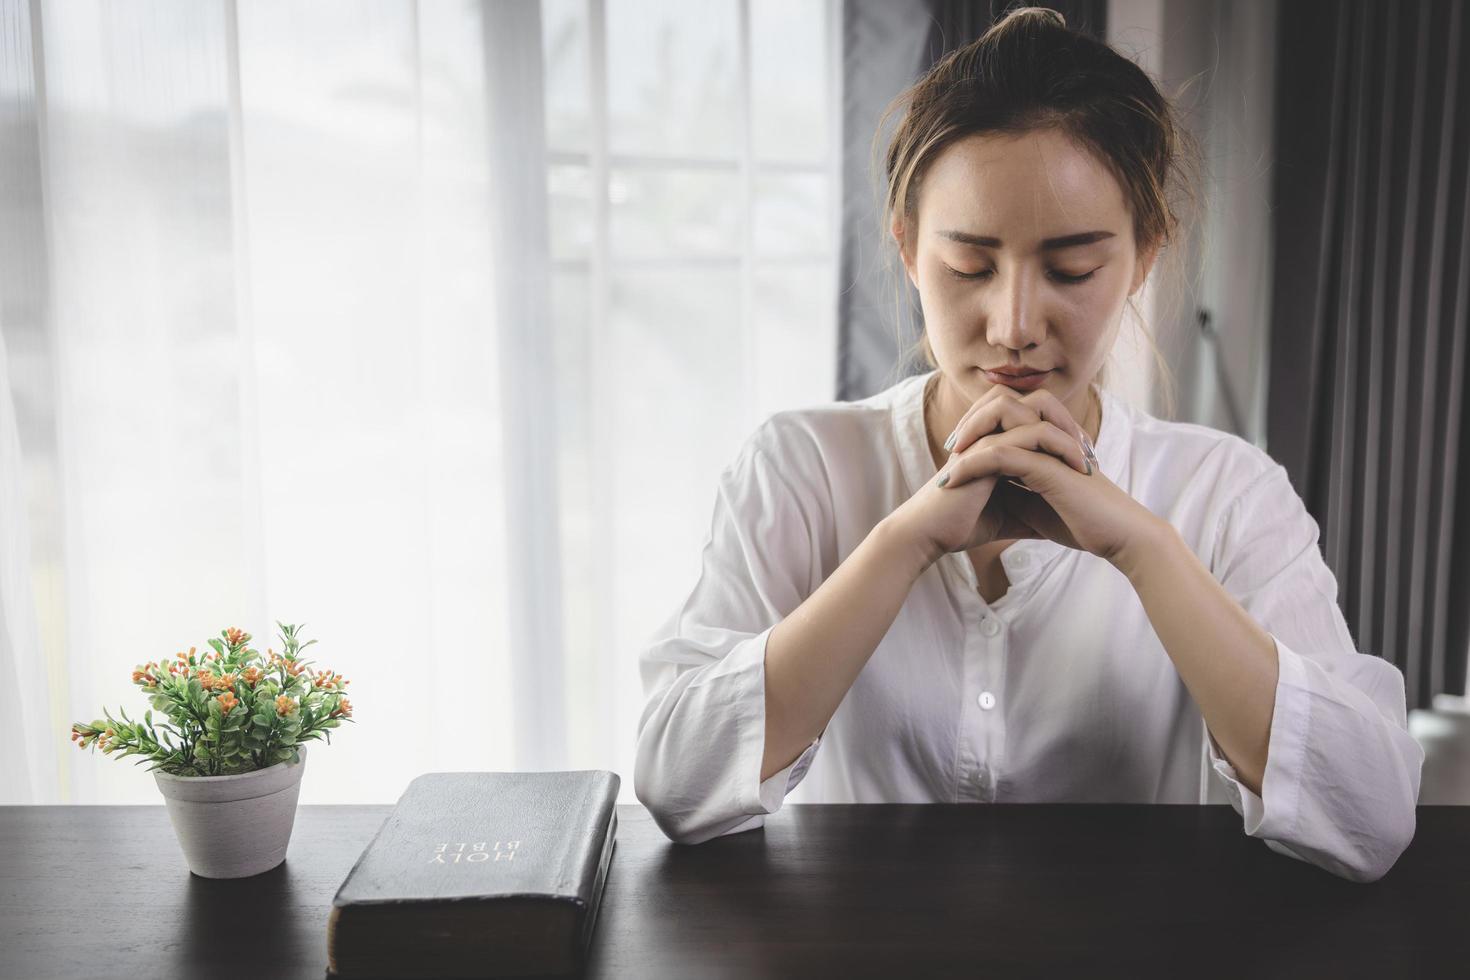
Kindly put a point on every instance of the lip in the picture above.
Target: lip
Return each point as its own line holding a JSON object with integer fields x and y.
{"x": 1023, "y": 382}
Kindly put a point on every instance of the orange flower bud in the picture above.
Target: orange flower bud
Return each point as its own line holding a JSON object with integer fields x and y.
{"x": 285, "y": 705}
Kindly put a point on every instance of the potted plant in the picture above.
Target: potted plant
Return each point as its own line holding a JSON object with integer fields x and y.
{"x": 229, "y": 758}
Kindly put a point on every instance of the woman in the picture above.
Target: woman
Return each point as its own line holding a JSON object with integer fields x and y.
{"x": 975, "y": 586}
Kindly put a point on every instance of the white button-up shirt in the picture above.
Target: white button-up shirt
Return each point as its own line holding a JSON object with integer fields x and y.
{"x": 1060, "y": 690}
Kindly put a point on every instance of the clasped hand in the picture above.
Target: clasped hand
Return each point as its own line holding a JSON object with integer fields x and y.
{"x": 1063, "y": 496}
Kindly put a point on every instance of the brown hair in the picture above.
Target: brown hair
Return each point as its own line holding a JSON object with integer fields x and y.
{"x": 1030, "y": 71}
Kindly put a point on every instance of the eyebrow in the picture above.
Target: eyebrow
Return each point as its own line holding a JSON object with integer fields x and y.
{"x": 1049, "y": 244}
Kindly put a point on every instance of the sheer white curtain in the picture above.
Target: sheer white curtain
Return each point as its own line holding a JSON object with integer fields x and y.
{"x": 428, "y": 324}
{"x": 28, "y": 765}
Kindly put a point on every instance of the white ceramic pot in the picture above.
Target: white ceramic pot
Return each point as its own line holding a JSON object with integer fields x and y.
{"x": 234, "y": 826}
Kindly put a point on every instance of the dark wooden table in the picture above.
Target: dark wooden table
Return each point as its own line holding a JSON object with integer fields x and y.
{"x": 876, "y": 890}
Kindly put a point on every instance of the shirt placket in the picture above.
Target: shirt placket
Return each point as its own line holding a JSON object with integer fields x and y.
{"x": 986, "y": 640}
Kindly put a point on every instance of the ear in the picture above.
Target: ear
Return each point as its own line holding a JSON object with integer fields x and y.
{"x": 897, "y": 230}
{"x": 1141, "y": 268}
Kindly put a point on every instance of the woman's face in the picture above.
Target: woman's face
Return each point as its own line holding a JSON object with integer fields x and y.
{"x": 1001, "y": 280}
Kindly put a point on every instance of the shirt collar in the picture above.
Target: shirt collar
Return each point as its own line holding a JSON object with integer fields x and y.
{"x": 918, "y": 466}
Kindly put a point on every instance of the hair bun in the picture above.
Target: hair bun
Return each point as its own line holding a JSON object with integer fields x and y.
{"x": 1026, "y": 16}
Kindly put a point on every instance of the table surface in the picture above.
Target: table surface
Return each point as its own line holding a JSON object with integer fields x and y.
{"x": 823, "y": 890}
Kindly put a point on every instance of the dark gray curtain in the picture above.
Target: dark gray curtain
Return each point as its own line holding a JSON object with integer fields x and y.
{"x": 887, "y": 45}
{"x": 1370, "y": 312}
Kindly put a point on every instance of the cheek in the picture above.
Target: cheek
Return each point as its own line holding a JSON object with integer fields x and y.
{"x": 1095, "y": 303}
{"x": 1089, "y": 335}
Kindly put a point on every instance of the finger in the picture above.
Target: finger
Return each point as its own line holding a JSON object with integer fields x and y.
{"x": 1054, "y": 410}
{"x": 1051, "y": 408}
{"x": 1047, "y": 437}
{"x": 997, "y": 392}
{"x": 1043, "y": 437}
{"x": 1000, "y": 413}
{"x": 1011, "y": 409}
{"x": 1000, "y": 460}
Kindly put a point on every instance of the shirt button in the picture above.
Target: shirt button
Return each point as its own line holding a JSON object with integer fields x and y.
{"x": 989, "y": 626}
{"x": 986, "y": 699}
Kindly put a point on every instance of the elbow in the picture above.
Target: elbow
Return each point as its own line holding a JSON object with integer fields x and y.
{"x": 685, "y": 821}
{"x": 1362, "y": 847}
{"x": 1378, "y": 853}
{"x": 669, "y": 815}
{"x": 1375, "y": 861}
{"x": 1374, "y": 809}
{"x": 686, "y": 812}
{"x": 1363, "y": 864}
{"x": 675, "y": 806}
{"x": 1374, "y": 856}
{"x": 1368, "y": 869}
{"x": 682, "y": 831}
{"x": 651, "y": 788}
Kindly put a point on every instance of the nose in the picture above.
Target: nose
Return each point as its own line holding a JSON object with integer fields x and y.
{"x": 1015, "y": 321}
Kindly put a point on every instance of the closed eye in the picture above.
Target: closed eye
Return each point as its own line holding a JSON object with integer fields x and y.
{"x": 1060, "y": 277}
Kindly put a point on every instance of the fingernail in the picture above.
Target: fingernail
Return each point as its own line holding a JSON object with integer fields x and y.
{"x": 1089, "y": 454}
{"x": 948, "y": 443}
{"x": 943, "y": 480}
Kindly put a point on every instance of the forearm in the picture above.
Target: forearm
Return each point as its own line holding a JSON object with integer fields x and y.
{"x": 814, "y": 655}
{"x": 1226, "y": 659}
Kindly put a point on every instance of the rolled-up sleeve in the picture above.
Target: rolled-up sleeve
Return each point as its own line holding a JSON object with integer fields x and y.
{"x": 1342, "y": 771}
{"x": 701, "y": 734}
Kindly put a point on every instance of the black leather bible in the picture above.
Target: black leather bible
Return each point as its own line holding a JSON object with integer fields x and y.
{"x": 479, "y": 874}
